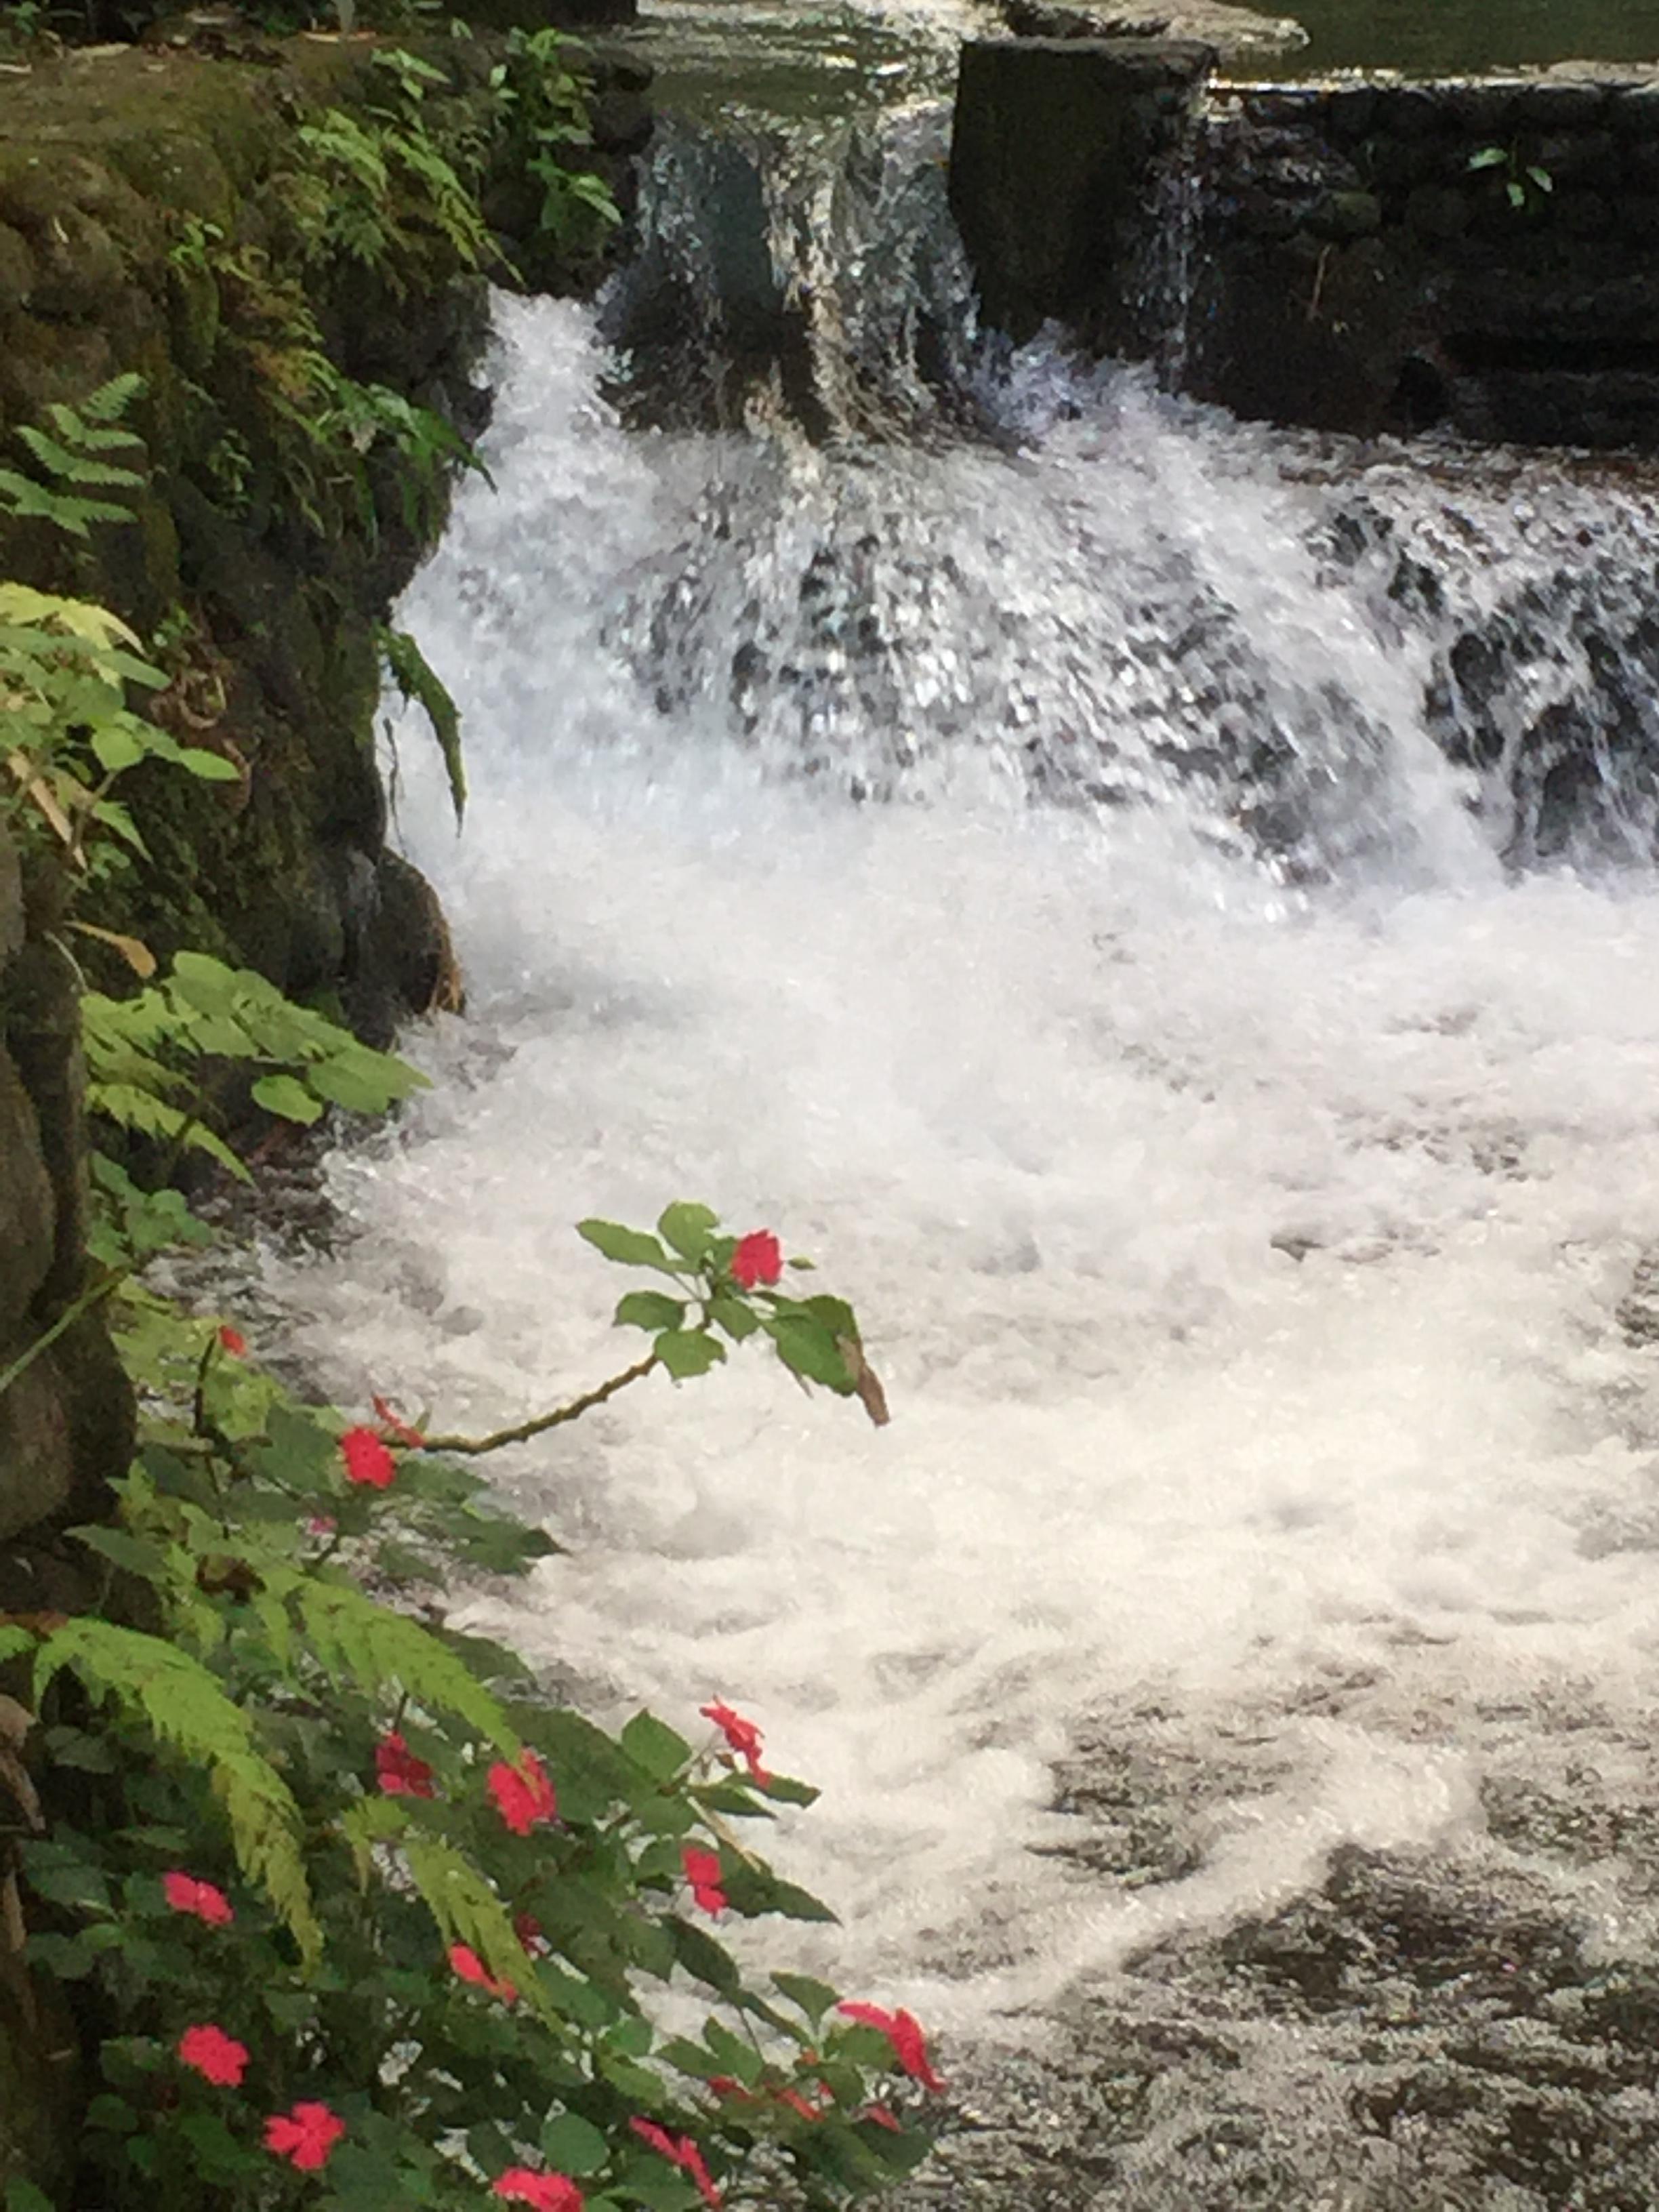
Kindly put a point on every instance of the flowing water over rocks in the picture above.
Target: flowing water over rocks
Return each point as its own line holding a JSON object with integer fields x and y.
{"x": 1166, "y": 913}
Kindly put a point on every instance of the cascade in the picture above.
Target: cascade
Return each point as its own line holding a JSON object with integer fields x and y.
{"x": 1165, "y": 912}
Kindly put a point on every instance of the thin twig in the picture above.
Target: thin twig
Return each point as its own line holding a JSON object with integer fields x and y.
{"x": 560, "y": 1414}
{"x": 66, "y": 1320}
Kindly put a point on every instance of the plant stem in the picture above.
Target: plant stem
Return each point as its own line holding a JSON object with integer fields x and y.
{"x": 573, "y": 1412}
{"x": 66, "y": 1320}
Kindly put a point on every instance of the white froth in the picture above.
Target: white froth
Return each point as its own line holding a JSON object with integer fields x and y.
{"x": 1243, "y": 1268}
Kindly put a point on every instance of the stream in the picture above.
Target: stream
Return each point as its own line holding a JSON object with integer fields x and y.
{"x": 1163, "y": 911}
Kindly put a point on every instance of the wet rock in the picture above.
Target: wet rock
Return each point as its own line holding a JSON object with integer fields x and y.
{"x": 1050, "y": 159}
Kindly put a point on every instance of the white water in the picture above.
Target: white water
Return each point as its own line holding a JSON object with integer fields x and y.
{"x": 1046, "y": 1092}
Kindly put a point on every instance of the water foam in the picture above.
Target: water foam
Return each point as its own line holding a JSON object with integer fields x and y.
{"x": 1243, "y": 1260}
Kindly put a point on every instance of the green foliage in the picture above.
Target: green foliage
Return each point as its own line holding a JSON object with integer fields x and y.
{"x": 1524, "y": 181}
{"x": 408, "y": 669}
{"x": 66, "y": 731}
{"x": 356, "y": 1842}
{"x": 147, "y": 1057}
{"x": 547, "y": 103}
{"x": 72, "y": 455}
{"x": 378, "y": 189}
{"x": 728, "y": 1292}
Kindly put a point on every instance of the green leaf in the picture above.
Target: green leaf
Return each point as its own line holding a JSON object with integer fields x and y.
{"x": 283, "y": 1095}
{"x": 115, "y": 748}
{"x": 755, "y": 1889}
{"x": 113, "y": 2114}
{"x": 699, "y": 1955}
{"x": 686, "y": 1352}
{"x": 737, "y": 1319}
{"x": 689, "y": 1229}
{"x": 786, "y": 1790}
{"x": 808, "y": 1347}
{"x": 651, "y": 1309}
{"x": 206, "y": 766}
{"x": 1489, "y": 157}
{"x": 573, "y": 2145}
{"x": 629, "y": 1248}
{"x": 23, "y": 2197}
{"x": 812, "y": 1998}
{"x": 654, "y": 1745}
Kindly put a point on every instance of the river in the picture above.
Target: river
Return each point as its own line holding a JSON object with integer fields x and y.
{"x": 1162, "y": 911}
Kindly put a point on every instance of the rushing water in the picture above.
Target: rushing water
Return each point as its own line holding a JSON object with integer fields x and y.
{"x": 1165, "y": 914}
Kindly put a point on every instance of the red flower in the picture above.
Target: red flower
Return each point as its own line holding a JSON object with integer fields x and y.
{"x": 523, "y": 1793}
{"x": 742, "y": 1735}
{"x": 397, "y": 1771}
{"x": 321, "y": 1524}
{"x": 399, "y": 1430}
{"x": 702, "y": 1871}
{"x": 305, "y": 2136}
{"x": 797, "y": 2103}
{"x": 757, "y": 1259}
{"x": 880, "y": 2117}
{"x": 544, "y": 2192}
{"x": 233, "y": 1341}
{"x": 909, "y": 2045}
{"x": 680, "y": 2151}
{"x": 471, "y": 1968}
{"x": 368, "y": 1461}
{"x": 216, "y": 2057}
{"x": 185, "y": 1894}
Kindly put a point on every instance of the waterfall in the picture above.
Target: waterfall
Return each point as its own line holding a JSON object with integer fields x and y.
{"x": 1103, "y": 881}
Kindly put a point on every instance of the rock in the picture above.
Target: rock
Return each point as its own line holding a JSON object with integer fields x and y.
{"x": 1049, "y": 169}
{"x": 1232, "y": 31}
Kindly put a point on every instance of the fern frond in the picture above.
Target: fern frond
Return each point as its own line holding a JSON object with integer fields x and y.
{"x": 110, "y": 401}
{"x": 468, "y": 1910}
{"x": 416, "y": 679}
{"x": 184, "y": 1705}
{"x": 359, "y": 1640}
{"x": 73, "y": 468}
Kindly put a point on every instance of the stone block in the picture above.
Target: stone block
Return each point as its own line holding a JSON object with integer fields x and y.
{"x": 37, "y": 1450}
{"x": 1050, "y": 171}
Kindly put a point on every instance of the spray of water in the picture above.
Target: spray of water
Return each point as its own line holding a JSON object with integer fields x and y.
{"x": 1241, "y": 1242}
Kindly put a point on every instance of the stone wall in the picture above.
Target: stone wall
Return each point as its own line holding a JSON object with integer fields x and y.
{"x": 1361, "y": 255}
{"x": 1393, "y": 256}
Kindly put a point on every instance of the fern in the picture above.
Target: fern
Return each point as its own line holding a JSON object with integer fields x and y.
{"x": 184, "y": 1706}
{"x": 416, "y": 679}
{"x": 468, "y": 1910}
{"x": 67, "y": 460}
{"x": 357, "y": 1640}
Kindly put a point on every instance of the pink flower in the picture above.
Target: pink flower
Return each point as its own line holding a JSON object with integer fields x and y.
{"x": 523, "y": 1793}
{"x": 742, "y": 1735}
{"x": 185, "y": 1894}
{"x": 368, "y": 1461}
{"x": 321, "y": 1524}
{"x": 305, "y": 2136}
{"x": 702, "y": 1871}
{"x": 396, "y": 1770}
{"x": 233, "y": 1341}
{"x": 399, "y": 1430}
{"x": 680, "y": 2151}
{"x": 544, "y": 2192}
{"x": 909, "y": 2045}
{"x": 757, "y": 1259}
{"x": 471, "y": 1968}
{"x": 216, "y": 2057}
